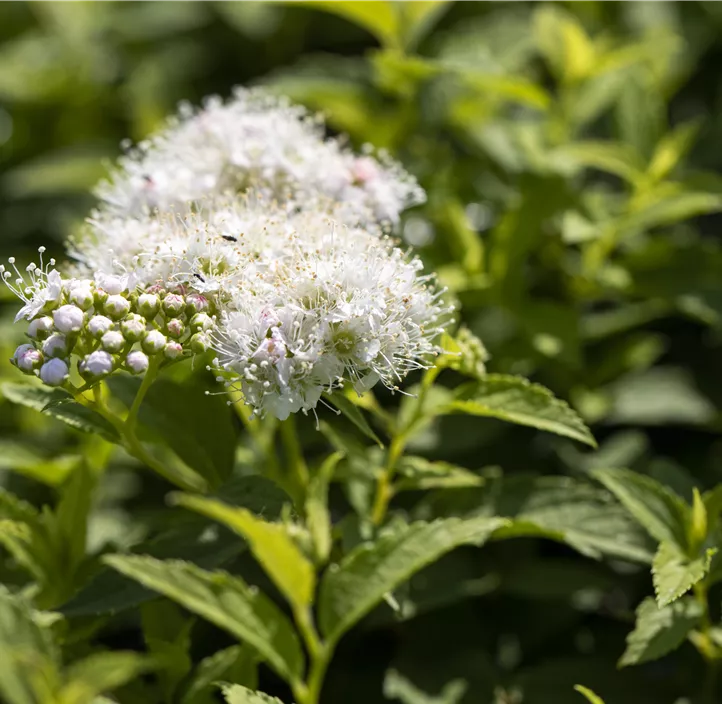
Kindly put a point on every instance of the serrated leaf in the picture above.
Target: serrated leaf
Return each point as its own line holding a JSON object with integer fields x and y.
{"x": 516, "y": 400}
{"x": 24, "y": 644}
{"x": 234, "y": 664}
{"x": 237, "y": 694}
{"x": 350, "y": 590}
{"x": 354, "y": 415}
{"x": 226, "y": 601}
{"x": 659, "y": 631}
{"x": 557, "y": 508}
{"x": 657, "y": 509}
{"x": 270, "y": 544}
{"x": 590, "y": 696}
{"x": 70, "y": 412}
{"x": 101, "y": 672}
{"x": 674, "y": 574}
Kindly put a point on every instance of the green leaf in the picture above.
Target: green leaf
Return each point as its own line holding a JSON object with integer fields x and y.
{"x": 72, "y": 514}
{"x": 611, "y": 157}
{"x": 564, "y": 43}
{"x": 376, "y": 16}
{"x": 659, "y": 631}
{"x": 350, "y": 590}
{"x": 270, "y": 544}
{"x": 20, "y": 459}
{"x": 396, "y": 686}
{"x": 166, "y": 631}
{"x": 516, "y": 400}
{"x": 234, "y": 664}
{"x": 26, "y": 649}
{"x": 318, "y": 518}
{"x": 205, "y": 439}
{"x": 237, "y": 694}
{"x": 418, "y": 474}
{"x": 557, "y": 508}
{"x": 588, "y": 694}
{"x": 60, "y": 405}
{"x": 354, "y": 415}
{"x": 14, "y": 508}
{"x": 101, "y": 672}
{"x": 672, "y": 148}
{"x": 674, "y": 573}
{"x": 417, "y": 17}
{"x": 657, "y": 509}
{"x": 670, "y": 209}
{"x": 226, "y": 601}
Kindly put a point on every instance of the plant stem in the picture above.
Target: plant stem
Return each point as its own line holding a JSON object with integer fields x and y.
{"x": 384, "y": 487}
{"x": 320, "y": 655}
{"x": 150, "y": 375}
{"x": 706, "y": 645}
{"x": 294, "y": 458}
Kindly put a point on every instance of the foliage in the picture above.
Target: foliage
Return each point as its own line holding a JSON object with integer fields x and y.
{"x": 480, "y": 537}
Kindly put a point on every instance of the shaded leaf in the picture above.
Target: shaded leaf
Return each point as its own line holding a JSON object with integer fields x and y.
{"x": 353, "y": 413}
{"x": 237, "y": 694}
{"x": 657, "y": 509}
{"x": 351, "y": 589}
{"x": 101, "y": 672}
{"x": 226, "y": 601}
{"x": 234, "y": 664}
{"x": 588, "y": 694}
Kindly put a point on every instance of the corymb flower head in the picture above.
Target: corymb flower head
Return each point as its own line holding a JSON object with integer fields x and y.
{"x": 256, "y": 141}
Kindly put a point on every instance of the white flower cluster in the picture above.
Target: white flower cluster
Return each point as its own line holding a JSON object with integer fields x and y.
{"x": 296, "y": 293}
{"x": 256, "y": 141}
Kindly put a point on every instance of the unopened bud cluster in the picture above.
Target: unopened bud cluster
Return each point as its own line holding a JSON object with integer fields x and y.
{"x": 101, "y": 325}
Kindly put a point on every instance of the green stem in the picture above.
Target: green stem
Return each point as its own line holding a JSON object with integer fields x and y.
{"x": 294, "y": 458}
{"x": 148, "y": 379}
{"x": 320, "y": 655}
{"x": 384, "y": 487}
{"x": 706, "y": 645}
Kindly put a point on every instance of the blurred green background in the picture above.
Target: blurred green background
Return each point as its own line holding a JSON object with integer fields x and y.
{"x": 570, "y": 152}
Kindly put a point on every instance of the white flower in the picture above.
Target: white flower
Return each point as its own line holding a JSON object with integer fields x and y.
{"x": 116, "y": 306}
{"x": 148, "y": 304}
{"x": 255, "y": 141}
{"x": 97, "y": 364}
{"x": 133, "y": 328}
{"x": 112, "y": 284}
{"x": 41, "y": 293}
{"x": 54, "y": 372}
{"x": 81, "y": 294}
{"x": 68, "y": 319}
{"x": 173, "y": 350}
{"x": 137, "y": 362}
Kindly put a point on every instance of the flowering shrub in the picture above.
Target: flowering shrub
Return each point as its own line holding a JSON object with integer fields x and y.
{"x": 285, "y": 334}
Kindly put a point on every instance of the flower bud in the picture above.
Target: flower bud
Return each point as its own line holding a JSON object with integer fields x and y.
{"x": 173, "y": 304}
{"x": 96, "y": 364}
{"x": 153, "y": 342}
{"x": 156, "y": 289}
{"x": 133, "y": 328}
{"x": 201, "y": 321}
{"x": 27, "y": 358}
{"x": 175, "y": 328}
{"x": 55, "y": 346}
{"x": 116, "y": 306}
{"x": 112, "y": 341}
{"x": 40, "y": 328}
{"x": 98, "y": 325}
{"x": 54, "y": 372}
{"x": 111, "y": 284}
{"x": 68, "y": 319}
{"x": 199, "y": 343}
{"x": 82, "y": 295}
{"x": 148, "y": 305}
{"x": 173, "y": 350}
{"x": 195, "y": 303}
{"x": 136, "y": 362}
